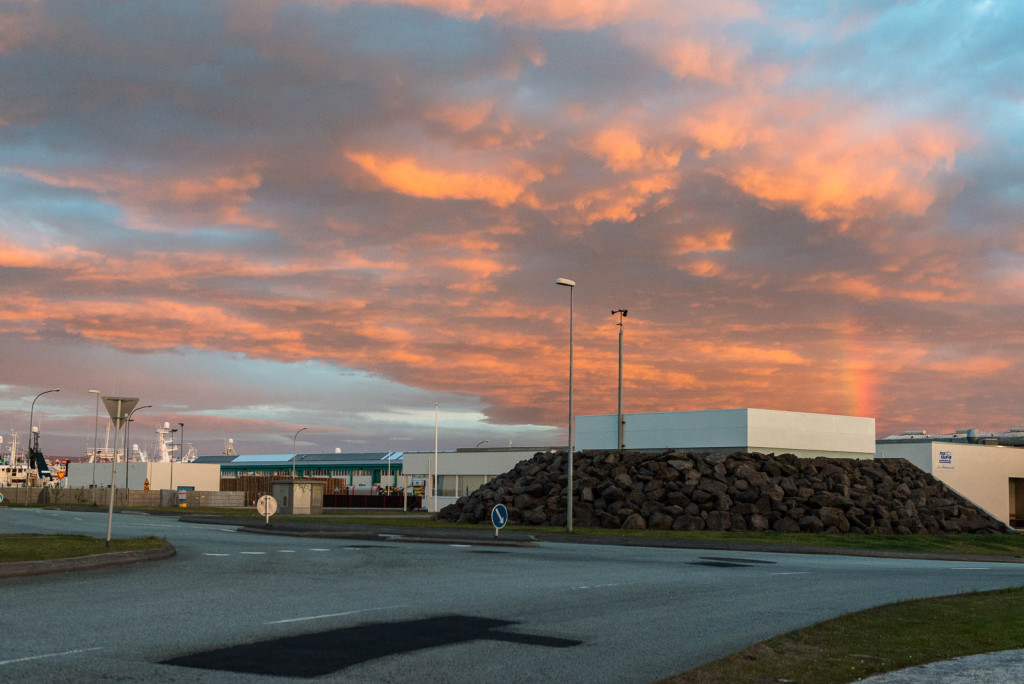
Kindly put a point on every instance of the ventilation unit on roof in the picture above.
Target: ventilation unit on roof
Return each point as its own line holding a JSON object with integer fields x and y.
{"x": 1017, "y": 429}
{"x": 913, "y": 433}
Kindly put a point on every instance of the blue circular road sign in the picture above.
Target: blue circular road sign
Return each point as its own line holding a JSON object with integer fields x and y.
{"x": 499, "y": 516}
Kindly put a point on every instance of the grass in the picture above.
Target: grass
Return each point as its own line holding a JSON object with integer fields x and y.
{"x": 33, "y": 547}
{"x": 876, "y": 640}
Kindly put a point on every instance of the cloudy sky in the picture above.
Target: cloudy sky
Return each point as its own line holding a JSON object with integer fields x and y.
{"x": 264, "y": 215}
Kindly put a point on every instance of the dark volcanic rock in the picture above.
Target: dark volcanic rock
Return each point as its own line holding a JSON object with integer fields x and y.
{"x": 740, "y": 491}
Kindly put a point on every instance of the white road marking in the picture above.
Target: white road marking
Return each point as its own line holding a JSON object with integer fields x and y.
{"x": 460, "y": 546}
{"x": 224, "y": 529}
{"x": 979, "y": 568}
{"x": 776, "y": 574}
{"x": 50, "y": 655}
{"x": 77, "y": 518}
{"x": 319, "y": 549}
{"x": 286, "y": 551}
{"x": 330, "y": 615}
{"x": 597, "y": 586}
{"x": 219, "y": 555}
{"x": 253, "y": 553}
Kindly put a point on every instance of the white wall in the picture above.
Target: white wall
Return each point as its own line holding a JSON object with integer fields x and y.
{"x": 485, "y": 462}
{"x": 203, "y": 477}
{"x": 980, "y": 473}
{"x": 804, "y": 434}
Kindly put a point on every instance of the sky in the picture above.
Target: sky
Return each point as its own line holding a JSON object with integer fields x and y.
{"x": 263, "y": 215}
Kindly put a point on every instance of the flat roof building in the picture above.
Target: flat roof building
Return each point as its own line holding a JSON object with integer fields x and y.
{"x": 806, "y": 435}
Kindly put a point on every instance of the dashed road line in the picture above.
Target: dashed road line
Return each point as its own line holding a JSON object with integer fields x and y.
{"x": 219, "y": 555}
{"x": 329, "y": 615}
{"x": 597, "y": 586}
{"x": 978, "y": 568}
{"x": 319, "y": 549}
{"x": 286, "y": 550}
{"x": 253, "y": 553}
{"x": 776, "y": 574}
{"x": 50, "y": 655}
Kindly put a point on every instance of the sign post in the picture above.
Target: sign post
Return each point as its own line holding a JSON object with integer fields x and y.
{"x": 266, "y": 505}
{"x": 119, "y": 409}
{"x": 499, "y": 518}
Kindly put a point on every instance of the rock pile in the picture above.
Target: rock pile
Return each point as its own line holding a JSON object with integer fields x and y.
{"x": 740, "y": 491}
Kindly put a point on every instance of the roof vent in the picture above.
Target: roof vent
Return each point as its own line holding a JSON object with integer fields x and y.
{"x": 913, "y": 433}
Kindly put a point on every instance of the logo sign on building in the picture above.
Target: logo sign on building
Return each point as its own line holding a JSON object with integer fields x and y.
{"x": 946, "y": 460}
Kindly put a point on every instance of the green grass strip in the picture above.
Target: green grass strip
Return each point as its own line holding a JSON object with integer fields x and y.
{"x": 34, "y": 547}
{"x": 877, "y": 640}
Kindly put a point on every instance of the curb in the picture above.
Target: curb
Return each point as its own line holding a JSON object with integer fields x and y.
{"x": 391, "y": 537}
{"x": 99, "y": 560}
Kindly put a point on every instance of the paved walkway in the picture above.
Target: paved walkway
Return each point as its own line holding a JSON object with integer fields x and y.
{"x": 1005, "y": 667}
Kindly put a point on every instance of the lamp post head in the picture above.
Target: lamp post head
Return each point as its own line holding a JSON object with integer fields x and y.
{"x": 94, "y": 391}
{"x": 566, "y": 282}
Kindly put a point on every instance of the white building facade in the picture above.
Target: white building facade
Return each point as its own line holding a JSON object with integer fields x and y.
{"x": 806, "y": 435}
{"x": 991, "y": 477}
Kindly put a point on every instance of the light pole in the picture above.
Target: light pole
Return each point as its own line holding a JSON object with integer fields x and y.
{"x": 622, "y": 314}
{"x": 294, "y": 453}
{"x": 95, "y": 435}
{"x": 31, "y": 420}
{"x": 181, "y": 452}
{"x": 571, "y": 284}
{"x": 170, "y": 457}
{"x": 127, "y": 429}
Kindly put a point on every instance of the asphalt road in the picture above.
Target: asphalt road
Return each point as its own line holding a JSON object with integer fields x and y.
{"x": 241, "y": 607}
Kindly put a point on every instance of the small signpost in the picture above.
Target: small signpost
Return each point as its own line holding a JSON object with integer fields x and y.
{"x": 267, "y": 506}
{"x": 1, "y": 498}
{"x": 499, "y": 518}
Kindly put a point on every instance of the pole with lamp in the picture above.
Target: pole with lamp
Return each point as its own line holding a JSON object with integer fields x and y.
{"x": 435, "y": 460}
{"x": 127, "y": 428}
{"x": 95, "y": 436}
{"x": 294, "y": 453}
{"x": 33, "y": 435}
{"x": 622, "y": 442}
{"x": 571, "y": 284}
{"x": 181, "y": 451}
{"x": 119, "y": 409}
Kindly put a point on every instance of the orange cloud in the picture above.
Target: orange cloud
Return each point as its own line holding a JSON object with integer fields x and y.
{"x": 710, "y": 241}
{"x": 622, "y": 150}
{"x": 410, "y": 177}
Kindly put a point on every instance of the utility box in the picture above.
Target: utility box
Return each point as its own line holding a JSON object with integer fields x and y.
{"x": 299, "y": 497}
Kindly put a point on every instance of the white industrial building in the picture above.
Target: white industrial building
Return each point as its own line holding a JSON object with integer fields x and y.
{"x": 463, "y": 471}
{"x": 807, "y": 435}
{"x": 989, "y": 475}
{"x": 200, "y": 477}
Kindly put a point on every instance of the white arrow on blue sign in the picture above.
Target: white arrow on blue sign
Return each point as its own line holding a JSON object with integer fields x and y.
{"x": 499, "y": 516}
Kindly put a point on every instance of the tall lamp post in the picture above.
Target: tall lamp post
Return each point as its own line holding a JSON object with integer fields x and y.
{"x": 31, "y": 425}
{"x": 622, "y": 314}
{"x": 294, "y": 453}
{"x": 170, "y": 457}
{"x": 127, "y": 444}
{"x": 95, "y": 435}
{"x": 181, "y": 452}
{"x": 571, "y": 284}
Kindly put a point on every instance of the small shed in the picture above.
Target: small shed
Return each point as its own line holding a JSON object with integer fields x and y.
{"x": 299, "y": 497}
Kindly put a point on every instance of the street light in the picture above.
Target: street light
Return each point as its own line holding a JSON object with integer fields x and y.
{"x": 181, "y": 452}
{"x": 294, "y": 453}
{"x": 95, "y": 436}
{"x": 31, "y": 420}
{"x": 571, "y": 284}
{"x": 127, "y": 443}
{"x": 622, "y": 314}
